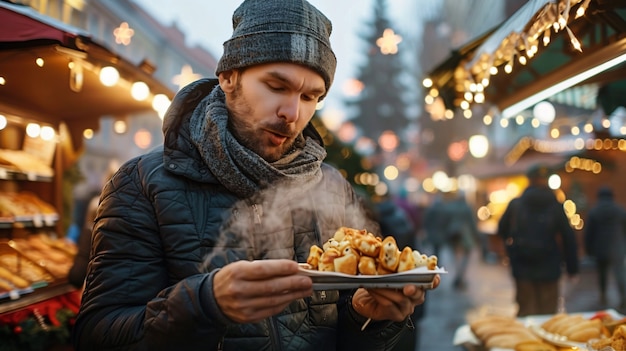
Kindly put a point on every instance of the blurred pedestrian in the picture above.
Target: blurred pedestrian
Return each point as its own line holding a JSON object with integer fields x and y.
{"x": 412, "y": 209}
{"x": 538, "y": 238}
{"x": 459, "y": 232}
{"x": 433, "y": 222}
{"x": 605, "y": 240}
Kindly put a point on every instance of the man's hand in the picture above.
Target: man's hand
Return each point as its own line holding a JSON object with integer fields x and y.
{"x": 249, "y": 292}
{"x": 390, "y": 304}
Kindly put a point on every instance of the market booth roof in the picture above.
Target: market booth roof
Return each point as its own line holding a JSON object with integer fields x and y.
{"x": 547, "y": 43}
{"x": 50, "y": 71}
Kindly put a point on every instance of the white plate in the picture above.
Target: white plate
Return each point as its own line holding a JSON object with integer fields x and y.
{"x": 420, "y": 276}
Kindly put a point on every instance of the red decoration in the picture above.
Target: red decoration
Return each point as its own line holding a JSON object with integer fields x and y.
{"x": 47, "y": 308}
{"x": 17, "y": 329}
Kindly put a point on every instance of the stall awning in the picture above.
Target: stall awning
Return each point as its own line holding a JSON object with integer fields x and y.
{"x": 540, "y": 54}
{"x": 20, "y": 24}
{"x": 50, "y": 71}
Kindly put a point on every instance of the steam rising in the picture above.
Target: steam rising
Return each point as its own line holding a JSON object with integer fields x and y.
{"x": 283, "y": 221}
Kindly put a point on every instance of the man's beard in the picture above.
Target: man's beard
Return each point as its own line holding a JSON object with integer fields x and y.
{"x": 249, "y": 137}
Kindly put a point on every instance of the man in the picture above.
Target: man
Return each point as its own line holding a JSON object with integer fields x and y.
{"x": 605, "y": 241}
{"x": 538, "y": 238}
{"x": 195, "y": 247}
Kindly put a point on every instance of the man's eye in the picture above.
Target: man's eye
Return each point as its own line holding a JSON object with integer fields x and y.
{"x": 276, "y": 88}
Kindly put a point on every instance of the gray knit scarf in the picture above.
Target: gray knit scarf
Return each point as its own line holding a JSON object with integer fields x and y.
{"x": 239, "y": 169}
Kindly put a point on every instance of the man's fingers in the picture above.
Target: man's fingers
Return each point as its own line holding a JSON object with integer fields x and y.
{"x": 264, "y": 269}
{"x": 256, "y": 309}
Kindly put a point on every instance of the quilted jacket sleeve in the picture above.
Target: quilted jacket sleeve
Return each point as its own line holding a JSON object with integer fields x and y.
{"x": 129, "y": 302}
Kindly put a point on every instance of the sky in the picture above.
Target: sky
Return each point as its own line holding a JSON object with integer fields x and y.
{"x": 208, "y": 24}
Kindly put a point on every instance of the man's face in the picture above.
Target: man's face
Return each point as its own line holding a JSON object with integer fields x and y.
{"x": 270, "y": 105}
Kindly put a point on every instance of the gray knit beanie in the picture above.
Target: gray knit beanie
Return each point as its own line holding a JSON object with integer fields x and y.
{"x": 266, "y": 31}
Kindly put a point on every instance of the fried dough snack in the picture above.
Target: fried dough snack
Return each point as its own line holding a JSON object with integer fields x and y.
{"x": 617, "y": 340}
{"x": 354, "y": 251}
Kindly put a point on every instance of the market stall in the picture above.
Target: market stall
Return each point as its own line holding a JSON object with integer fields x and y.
{"x": 549, "y": 80}
{"x": 52, "y": 89}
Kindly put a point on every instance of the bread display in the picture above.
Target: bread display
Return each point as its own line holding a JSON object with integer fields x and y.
{"x": 33, "y": 261}
{"x": 13, "y": 280}
{"x": 23, "y": 205}
{"x": 17, "y": 266}
{"x": 353, "y": 251}
{"x": 24, "y": 162}
{"x": 498, "y": 331}
{"x": 46, "y": 252}
{"x": 574, "y": 327}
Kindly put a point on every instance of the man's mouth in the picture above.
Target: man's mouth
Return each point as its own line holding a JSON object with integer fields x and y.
{"x": 276, "y": 139}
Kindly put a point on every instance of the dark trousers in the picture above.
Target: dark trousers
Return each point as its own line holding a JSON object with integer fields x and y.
{"x": 618, "y": 270}
{"x": 534, "y": 297}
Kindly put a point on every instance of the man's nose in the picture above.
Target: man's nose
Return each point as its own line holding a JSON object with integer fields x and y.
{"x": 290, "y": 109}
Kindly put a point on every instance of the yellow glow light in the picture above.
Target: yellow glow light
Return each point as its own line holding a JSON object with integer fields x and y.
{"x": 33, "y": 130}
{"x": 388, "y": 43}
{"x": 109, "y": 76}
{"x": 139, "y": 91}
{"x": 88, "y": 133}
{"x": 119, "y": 127}
{"x": 47, "y": 133}
{"x": 391, "y": 172}
{"x": 487, "y": 120}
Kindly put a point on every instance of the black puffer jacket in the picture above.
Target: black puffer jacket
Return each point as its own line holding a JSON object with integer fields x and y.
{"x": 164, "y": 227}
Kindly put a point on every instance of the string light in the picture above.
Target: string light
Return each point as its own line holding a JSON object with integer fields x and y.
{"x": 546, "y": 36}
{"x": 573, "y": 40}
{"x": 582, "y": 9}
{"x": 524, "y": 44}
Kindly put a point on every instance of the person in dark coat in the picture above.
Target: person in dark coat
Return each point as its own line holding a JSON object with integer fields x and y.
{"x": 434, "y": 222}
{"x": 460, "y": 232}
{"x": 196, "y": 245}
{"x": 605, "y": 240}
{"x": 538, "y": 238}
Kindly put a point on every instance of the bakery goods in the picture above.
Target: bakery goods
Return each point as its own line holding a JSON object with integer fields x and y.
{"x": 617, "y": 340}
{"x": 574, "y": 327}
{"x": 315, "y": 254}
{"x": 356, "y": 251}
{"x": 406, "y": 260}
{"x": 348, "y": 261}
{"x": 367, "y": 265}
{"x": 509, "y": 341}
{"x": 499, "y": 331}
{"x": 327, "y": 260}
{"x": 389, "y": 255}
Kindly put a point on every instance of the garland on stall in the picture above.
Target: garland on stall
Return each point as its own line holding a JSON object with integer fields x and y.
{"x": 41, "y": 326}
{"x": 36, "y": 332}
